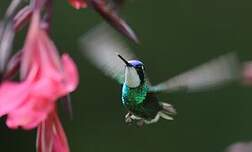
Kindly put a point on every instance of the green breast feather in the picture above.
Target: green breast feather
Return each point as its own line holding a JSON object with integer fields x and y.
{"x": 134, "y": 96}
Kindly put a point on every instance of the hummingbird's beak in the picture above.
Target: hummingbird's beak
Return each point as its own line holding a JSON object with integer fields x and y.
{"x": 112, "y": 17}
{"x": 125, "y": 61}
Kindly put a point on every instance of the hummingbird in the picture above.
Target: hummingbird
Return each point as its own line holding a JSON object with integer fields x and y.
{"x": 102, "y": 47}
{"x": 143, "y": 105}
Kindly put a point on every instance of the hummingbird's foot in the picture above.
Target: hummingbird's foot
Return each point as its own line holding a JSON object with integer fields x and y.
{"x": 128, "y": 118}
{"x": 131, "y": 119}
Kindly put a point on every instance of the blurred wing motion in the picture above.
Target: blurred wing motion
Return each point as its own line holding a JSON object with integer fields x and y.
{"x": 101, "y": 46}
{"x": 209, "y": 75}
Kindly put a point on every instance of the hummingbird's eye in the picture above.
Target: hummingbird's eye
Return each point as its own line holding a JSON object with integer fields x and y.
{"x": 140, "y": 67}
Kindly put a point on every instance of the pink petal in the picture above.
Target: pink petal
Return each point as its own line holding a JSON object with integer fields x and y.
{"x": 60, "y": 140}
{"x": 50, "y": 87}
{"x": 30, "y": 45}
{"x": 240, "y": 147}
{"x": 247, "y": 73}
{"x": 45, "y": 78}
{"x": 71, "y": 73}
{"x": 78, "y": 4}
{"x": 51, "y": 136}
{"x": 48, "y": 54}
{"x": 12, "y": 95}
{"x": 30, "y": 114}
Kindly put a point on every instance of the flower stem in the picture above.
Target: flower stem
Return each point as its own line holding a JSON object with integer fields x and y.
{"x": 12, "y": 9}
{"x": 48, "y": 16}
{"x": 7, "y": 34}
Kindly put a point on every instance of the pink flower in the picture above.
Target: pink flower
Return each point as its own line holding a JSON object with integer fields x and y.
{"x": 51, "y": 136}
{"x": 78, "y": 4}
{"x": 240, "y": 147}
{"x": 44, "y": 79}
{"x": 247, "y": 73}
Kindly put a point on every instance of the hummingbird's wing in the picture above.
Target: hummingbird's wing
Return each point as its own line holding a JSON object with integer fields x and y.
{"x": 214, "y": 73}
{"x": 101, "y": 46}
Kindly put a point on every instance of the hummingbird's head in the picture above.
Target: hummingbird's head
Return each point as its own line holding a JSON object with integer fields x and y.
{"x": 134, "y": 72}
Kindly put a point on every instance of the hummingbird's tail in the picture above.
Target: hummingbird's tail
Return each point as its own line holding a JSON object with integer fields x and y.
{"x": 167, "y": 111}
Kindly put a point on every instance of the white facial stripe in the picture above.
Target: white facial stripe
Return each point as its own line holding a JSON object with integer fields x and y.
{"x": 131, "y": 77}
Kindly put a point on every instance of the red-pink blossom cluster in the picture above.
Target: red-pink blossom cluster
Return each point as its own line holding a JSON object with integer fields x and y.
{"x": 44, "y": 77}
{"x": 35, "y": 77}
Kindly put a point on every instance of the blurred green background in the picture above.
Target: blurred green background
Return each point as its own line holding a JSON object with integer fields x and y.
{"x": 175, "y": 35}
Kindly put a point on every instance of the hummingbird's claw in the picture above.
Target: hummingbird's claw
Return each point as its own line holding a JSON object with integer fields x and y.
{"x": 135, "y": 122}
{"x": 128, "y": 119}
{"x": 111, "y": 16}
{"x": 131, "y": 119}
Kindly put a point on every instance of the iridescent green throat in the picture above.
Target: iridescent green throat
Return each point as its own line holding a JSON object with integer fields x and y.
{"x": 134, "y": 96}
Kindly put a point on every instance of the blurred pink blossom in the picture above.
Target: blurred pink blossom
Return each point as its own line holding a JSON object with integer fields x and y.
{"x": 240, "y": 147}
{"x": 247, "y": 73}
{"x": 44, "y": 79}
{"x": 51, "y": 136}
{"x": 78, "y": 4}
